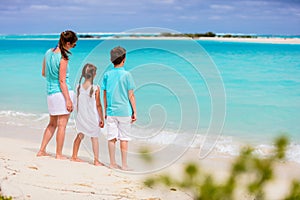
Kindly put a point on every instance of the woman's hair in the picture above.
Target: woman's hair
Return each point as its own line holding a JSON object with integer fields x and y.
{"x": 66, "y": 36}
{"x": 88, "y": 72}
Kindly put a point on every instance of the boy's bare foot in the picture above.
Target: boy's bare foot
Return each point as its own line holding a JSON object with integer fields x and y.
{"x": 42, "y": 153}
{"x": 76, "y": 160}
{"x": 126, "y": 168}
{"x": 61, "y": 157}
{"x": 114, "y": 166}
{"x": 98, "y": 163}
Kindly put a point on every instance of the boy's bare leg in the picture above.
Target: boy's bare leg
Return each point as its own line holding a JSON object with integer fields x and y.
{"x": 124, "y": 149}
{"x": 112, "y": 150}
{"x": 60, "y": 136}
{"x": 48, "y": 134}
{"x": 95, "y": 145}
{"x": 76, "y": 146}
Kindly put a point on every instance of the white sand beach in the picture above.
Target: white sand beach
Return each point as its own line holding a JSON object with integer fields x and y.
{"x": 257, "y": 40}
{"x": 25, "y": 176}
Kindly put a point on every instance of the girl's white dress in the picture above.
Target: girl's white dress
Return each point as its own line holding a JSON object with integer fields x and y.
{"x": 87, "y": 118}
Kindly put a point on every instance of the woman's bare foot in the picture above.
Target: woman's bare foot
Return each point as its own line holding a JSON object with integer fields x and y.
{"x": 61, "y": 157}
{"x": 76, "y": 160}
{"x": 98, "y": 163}
{"x": 42, "y": 153}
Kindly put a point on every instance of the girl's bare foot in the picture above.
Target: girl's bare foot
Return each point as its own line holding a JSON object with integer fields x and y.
{"x": 76, "y": 159}
{"x": 61, "y": 157}
{"x": 42, "y": 153}
{"x": 98, "y": 163}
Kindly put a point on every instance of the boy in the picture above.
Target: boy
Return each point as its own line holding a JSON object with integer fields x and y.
{"x": 119, "y": 104}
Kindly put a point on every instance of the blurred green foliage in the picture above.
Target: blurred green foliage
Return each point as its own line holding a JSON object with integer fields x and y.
{"x": 249, "y": 173}
{"x": 5, "y": 198}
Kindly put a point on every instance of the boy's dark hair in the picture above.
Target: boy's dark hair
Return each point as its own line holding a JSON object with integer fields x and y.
{"x": 117, "y": 55}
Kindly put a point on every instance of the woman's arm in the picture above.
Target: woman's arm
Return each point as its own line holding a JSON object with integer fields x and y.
{"x": 44, "y": 68}
{"x": 133, "y": 105}
{"x": 63, "y": 85}
{"x": 99, "y": 107}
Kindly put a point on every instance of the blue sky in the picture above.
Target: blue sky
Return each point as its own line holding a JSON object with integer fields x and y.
{"x": 219, "y": 16}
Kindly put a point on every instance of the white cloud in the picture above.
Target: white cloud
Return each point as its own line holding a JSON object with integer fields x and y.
{"x": 178, "y": 7}
{"x": 165, "y": 1}
{"x": 187, "y": 17}
{"x": 221, "y": 8}
{"x": 39, "y": 7}
{"x": 254, "y": 3}
{"x": 44, "y": 8}
{"x": 215, "y": 17}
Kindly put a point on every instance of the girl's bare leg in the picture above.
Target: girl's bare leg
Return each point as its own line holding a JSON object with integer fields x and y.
{"x": 95, "y": 145}
{"x": 76, "y": 146}
{"x": 48, "y": 134}
{"x": 60, "y": 135}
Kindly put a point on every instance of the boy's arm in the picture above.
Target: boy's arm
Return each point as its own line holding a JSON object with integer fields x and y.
{"x": 105, "y": 102}
{"x": 44, "y": 68}
{"x": 99, "y": 107}
{"x": 133, "y": 105}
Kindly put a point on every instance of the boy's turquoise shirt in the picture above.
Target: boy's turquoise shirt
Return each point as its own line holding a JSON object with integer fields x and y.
{"x": 117, "y": 82}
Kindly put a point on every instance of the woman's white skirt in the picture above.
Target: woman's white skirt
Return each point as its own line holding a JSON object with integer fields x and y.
{"x": 57, "y": 104}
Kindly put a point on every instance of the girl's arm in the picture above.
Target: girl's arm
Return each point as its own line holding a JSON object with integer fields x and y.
{"x": 99, "y": 107}
{"x": 44, "y": 68}
{"x": 63, "y": 85}
{"x": 133, "y": 105}
{"x": 105, "y": 102}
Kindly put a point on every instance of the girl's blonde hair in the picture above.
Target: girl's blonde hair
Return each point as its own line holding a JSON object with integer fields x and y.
{"x": 88, "y": 72}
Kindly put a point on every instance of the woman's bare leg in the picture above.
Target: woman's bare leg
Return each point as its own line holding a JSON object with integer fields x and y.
{"x": 60, "y": 135}
{"x": 48, "y": 134}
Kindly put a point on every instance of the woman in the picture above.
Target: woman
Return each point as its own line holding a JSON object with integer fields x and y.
{"x": 59, "y": 93}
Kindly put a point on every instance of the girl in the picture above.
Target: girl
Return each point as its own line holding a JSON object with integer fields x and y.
{"x": 59, "y": 93}
{"x": 89, "y": 118}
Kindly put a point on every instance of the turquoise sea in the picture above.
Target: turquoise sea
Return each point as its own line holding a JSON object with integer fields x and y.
{"x": 261, "y": 84}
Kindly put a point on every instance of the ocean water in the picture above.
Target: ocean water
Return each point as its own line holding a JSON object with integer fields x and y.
{"x": 240, "y": 91}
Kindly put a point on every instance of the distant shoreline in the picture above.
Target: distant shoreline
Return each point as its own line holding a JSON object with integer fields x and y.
{"x": 209, "y": 36}
{"x": 221, "y": 39}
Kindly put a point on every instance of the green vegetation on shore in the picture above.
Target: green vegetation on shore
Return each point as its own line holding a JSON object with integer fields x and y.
{"x": 237, "y": 36}
{"x": 207, "y": 34}
{"x": 187, "y": 35}
{"x": 191, "y": 35}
